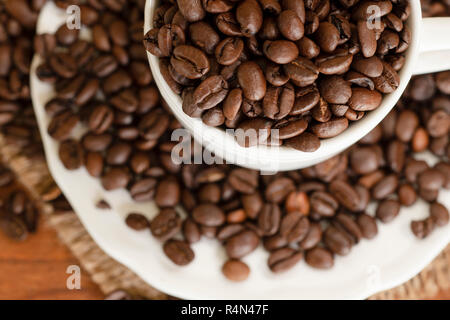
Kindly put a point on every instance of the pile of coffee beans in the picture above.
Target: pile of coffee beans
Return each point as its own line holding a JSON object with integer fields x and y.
{"x": 314, "y": 214}
{"x": 306, "y": 68}
{"x": 438, "y": 8}
{"x": 18, "y": 213}
{"x": 17, "y": 122}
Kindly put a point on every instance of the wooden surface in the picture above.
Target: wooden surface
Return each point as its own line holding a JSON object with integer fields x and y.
{"x": 36, "y": 269}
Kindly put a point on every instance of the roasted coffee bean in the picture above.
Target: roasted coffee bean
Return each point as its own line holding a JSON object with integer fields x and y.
{"x": 178, "y": 252}
{"x": 168, "y": 193}
{"x": 96, "y": 142}
{"x": 229, "y": 50}
{"x": 115, "y": 178}
{"x": 143, "y": 190}
{"x": 62, "y": 125}
{"x": 284, "y": 259}
{"x": 319, "y": 258}
{"x": 302, "y": 72}
{"x": 153, "y": 124}
{"x": 386, "y": 186}
{"x": 269, "y": 219}
{"x": 290, "y": 128}
{"x": 210, "y": 92}
{"x": 252, "y": 81}
{"x": 208, "y": 215}
{"x": 305, "y": 142}
{"x": 439, "y": 214}
{"x": 431, "y": 179}
{"x": 71, "y": 154}
{"x": 335, "y": 90}
{"x": 252, "y": 204}
{"x": 345, "y": 194}
{"x": 331, "y": 128}
{"x": 249, "y": 16}
{"x": 166, "y": 224}
{"x": 346, "y": 223}
{"x": 407, "y": 123}
{"x": 407, "y": 195}
{"x": 241, "y": 244}
{"x": 278, "y": 102}
{"x": 279, "y": 189}
{"x": 387, "y": 210}
{"x": 297, "y": 201}
{"x": 294, "y": 227}
{"x": 363, "y": 160}
{"x": 191, "y": 231}
{"x": 63, "y": 64}
{"x": 290, "y": 25}
{"x": 137, "y": 221}
{"x": 323, "y": 203}
{"x": 438, "y": 124}
{"x": 422, "y": 228}
{"x": 190, "y": 62}
{"x": 337, "y": 241}
{"x": 235, "y": 270}
{"x": 244, "y": 180}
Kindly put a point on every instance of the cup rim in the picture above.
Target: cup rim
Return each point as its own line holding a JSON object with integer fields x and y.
{"x": 283, "y": 158}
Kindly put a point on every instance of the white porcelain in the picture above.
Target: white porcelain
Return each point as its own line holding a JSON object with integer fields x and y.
{"x": 436, "y": 37}
{"x": 391, "y": 259}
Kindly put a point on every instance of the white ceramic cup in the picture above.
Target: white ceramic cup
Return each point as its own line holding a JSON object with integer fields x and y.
{"x": 429, "y": 51}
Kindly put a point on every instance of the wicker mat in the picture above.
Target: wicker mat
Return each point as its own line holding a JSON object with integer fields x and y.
{"x": 111, "y": 275}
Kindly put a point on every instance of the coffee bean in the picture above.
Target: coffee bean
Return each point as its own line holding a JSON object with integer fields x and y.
{"x": 431, "y": 179}
{"x": 269, "y": 219}
{"x": 345, "y": 194}
{"x": 236, "y": 270}
{"x": 422, "y": 228}
{"x": 179, "y": 252}
{"x": 290, "y": 25}
{"x": 241, "y": 244}
{"x": 115, "y": 178}
{"x": 323, "y": 203}
{"x": 337, "y": 241}
{"x": 279, "y": 189}
{"x": 71, "y": 154}
{"x": 166, "y": 224}
{"x": 143, "y": 190}
{"x": 102, "y": 204}
{"x": 137, "y": 221}
{"x": 439, "y": 214}
{"x": 243, "y": 180}
{"x": 208, "y": 215}
{"x": 249, "y": 16}
{"x": 319, "y": 258}
{"x": 305, "y": 142}
{"x": 387, "y": 210}
{"x": 331, "y": 128}
{"x": 284, "y": 259}
{"x": 191, "y": 231}
{"x": 190, "y": 62}
{"x": 62, "y": 125}
{"x": 252, "y": 204}
{"x": 294, "y": 227}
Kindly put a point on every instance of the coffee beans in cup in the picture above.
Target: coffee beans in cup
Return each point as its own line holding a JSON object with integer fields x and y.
{"x": 307, "y": 69}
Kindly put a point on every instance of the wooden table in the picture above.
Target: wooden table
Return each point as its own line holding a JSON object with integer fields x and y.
{"x": 36, "y": 269}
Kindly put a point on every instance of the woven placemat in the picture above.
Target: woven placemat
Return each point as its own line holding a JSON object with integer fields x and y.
{"x": 111, "y": 275}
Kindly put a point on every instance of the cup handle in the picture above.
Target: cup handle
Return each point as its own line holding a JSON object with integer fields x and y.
{"x": 434, "y": 46}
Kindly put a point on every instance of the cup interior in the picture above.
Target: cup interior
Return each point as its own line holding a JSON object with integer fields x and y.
{"x": 267, "y": 158}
